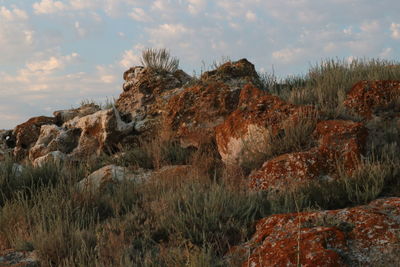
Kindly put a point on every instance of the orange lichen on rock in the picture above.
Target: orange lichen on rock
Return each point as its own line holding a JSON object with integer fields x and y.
{"x": 338, "y": 141}
{"x": 289, "y": 170}
{"x": 368, "y": 98}
{"x": 365, "y": 235}
{"x": 257, "y": 113}
{"x": 193, "y": 113}
{"x": 27, "y": 133}
{"x": 344, "y": 140}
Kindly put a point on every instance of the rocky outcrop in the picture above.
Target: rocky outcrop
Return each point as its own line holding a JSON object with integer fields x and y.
{"x": 110, "y": 175}
{"x": 63, "y": 116}
{"x": 26, "y": 135}
{"x": 54, "y": 157}
{"x": 338, "y": 142}
{"x": 12, "y": 258}
{"x": 259, "y": 115}
{"x": 365, "y": 235}
{"x": 374, "y": 98}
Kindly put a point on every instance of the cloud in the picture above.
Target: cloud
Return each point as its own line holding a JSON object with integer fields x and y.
{"x": 48, "y": 7}
{"x": 139, "y": 14}
{"x": 131, "y": 57}
{"x": 395, "y": 29}
{"x": 80, "y": 31}
{"x": 196, "y": 6}
{"x": 288, "y": 55}
{"x": 251, "y": 16}
{"x": 12, "y": 14}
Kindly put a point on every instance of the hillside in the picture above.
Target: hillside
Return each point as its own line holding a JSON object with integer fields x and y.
{"x": 232, "y": 168}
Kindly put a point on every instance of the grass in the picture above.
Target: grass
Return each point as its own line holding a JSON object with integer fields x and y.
{"x": 326, "y": 83}
{"x": 159, "y": 60}
{"x": 193, "y": 219}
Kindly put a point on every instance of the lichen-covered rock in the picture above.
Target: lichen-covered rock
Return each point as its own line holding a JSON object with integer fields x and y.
{"x": 290, "y": 171}
{"x": 340, "y": 139}
{"x": 143, "y": 85}
{"x": 55, "y": 157}
{"x": 234, "y": 74}
{"x": 360, "y": 236}
{"x": 374, "y": 98}
{"x": 258, "y": 116}
{"x": 194, "y": 113}
{"x": 63, "y": 116}
{"x": 54, "y": 138}
{"x": 12, "y": 258}
{"x": 27, "y": 133}
{"x": 109, "y": 175}
{"x": 100, "y": 131}
{"x": 338, "y": 142}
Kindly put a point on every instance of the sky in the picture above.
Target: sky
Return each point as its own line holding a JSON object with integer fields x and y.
{"x": 56, "y": 53}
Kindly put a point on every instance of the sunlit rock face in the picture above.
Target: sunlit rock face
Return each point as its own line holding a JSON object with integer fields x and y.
{"x": 364, "y": 235}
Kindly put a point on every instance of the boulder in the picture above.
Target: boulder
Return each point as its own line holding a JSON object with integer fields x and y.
{"x": 55, "y": 157}
{"x": 374, "y": 98}
{"x": 55, "y": 138}
{"x": 193, "y": 114}
{"x": 289, "y": 171}
{"x": 360, "y": 236}
{"x": 234, "y": 74}
{"x": 258, "y": 117}
{"x": 99, "y": 132}
{"x": 110, "y": 175}
{"x": 338, "y": 141}
{"x": 63, "y": 116}
{"x": 13, "y": 258}
{"x": 143, "y": 85}
{"x": 26, "y": 135}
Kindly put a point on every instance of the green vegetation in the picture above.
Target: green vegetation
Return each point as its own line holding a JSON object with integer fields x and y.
{"x": 193, "y": 220}
{"x": 326, "y": 84}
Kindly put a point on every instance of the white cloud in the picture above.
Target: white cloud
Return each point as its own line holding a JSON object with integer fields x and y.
{"x": 395, "y": 29}
{"x": 251, "y": 16}
{"x": 139, "y": 14}
{"x": 80, "y": 31}
{"x": 370, "y": 26}
{"x": 130, "y": 58}
{"x": 196, "y": 6}
{"x": 48, "y": 7}
{"x": 12, "y": 14}
{"x": 288, "y": 55}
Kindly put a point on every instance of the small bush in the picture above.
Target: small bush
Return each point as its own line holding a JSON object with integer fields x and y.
{"x": 159, "y": 60}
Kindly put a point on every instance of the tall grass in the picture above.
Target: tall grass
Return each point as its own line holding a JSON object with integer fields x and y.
{"x": 159, "y": 60}
{"x": 326, "y": 83}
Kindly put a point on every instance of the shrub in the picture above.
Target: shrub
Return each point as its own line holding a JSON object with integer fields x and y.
{"x": 159, "y": 60}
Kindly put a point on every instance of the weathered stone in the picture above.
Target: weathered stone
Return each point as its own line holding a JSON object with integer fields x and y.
{"x": 109, "y": 175}
{"x": 26, "y": 135}
{"x": 54, "y": 138}
{"x": 234, "y": 74}
{"x": 12, "y": 258}
{"x": 338, "y": 142}
{"x": 63, "y": 116}
{"x": 99, "y": 132}
{"x": 341, "y": 140}
{"x": 258, "y": 116}
{"x": 194, "y": 113}
{"x": 55, "y": 157}
{"x": 360, "y": 236}
{"x": 375, "y": 98}
{"x": 290, "y": 171}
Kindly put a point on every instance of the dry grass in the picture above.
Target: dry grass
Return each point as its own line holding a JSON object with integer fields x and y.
{"x": 159, "y": 60}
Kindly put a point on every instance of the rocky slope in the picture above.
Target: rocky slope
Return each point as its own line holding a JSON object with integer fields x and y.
{"x": 226, "y": 108}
